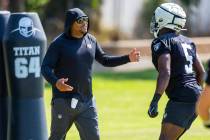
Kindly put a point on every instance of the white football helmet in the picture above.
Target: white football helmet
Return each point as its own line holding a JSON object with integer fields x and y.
{"x": 168, "y": 15}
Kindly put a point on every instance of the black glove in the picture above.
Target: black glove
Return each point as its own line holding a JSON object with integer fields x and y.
{"x": 153, "y": 108}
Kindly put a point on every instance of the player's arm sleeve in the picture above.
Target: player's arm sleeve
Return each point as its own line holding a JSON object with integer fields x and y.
{"x": 49, "y": 63}
{"x": 161, "y": 54}
{"x": 160, "y": 48}
{"x": 164, "y": 62}
{"x": 109, "y": 60}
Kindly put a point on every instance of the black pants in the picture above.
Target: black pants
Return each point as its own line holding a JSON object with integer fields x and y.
{"x": 84, "y": 116}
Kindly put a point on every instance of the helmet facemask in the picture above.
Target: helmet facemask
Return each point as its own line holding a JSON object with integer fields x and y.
{"x": 154, "y": 26}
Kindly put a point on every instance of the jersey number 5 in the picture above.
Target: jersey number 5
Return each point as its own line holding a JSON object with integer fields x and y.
{"x": 188, "y": 67}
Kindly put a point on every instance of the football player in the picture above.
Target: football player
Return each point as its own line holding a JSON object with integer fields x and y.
{"x": 180, "y": 72}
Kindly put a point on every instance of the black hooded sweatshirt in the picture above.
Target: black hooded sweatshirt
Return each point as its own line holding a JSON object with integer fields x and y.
{"x": 72, "y": 58}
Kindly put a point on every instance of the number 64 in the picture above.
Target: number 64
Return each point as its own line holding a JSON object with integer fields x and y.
{"x": 23, "y": 67}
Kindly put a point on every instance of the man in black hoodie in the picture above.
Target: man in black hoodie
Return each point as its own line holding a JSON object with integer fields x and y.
{"x": 67, "y": 66}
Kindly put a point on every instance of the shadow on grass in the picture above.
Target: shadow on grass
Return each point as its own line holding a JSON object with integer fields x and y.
{"x": 149, "y": 74}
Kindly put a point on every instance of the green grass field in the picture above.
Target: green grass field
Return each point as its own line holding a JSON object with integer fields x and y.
{"x": 122, "y": 103}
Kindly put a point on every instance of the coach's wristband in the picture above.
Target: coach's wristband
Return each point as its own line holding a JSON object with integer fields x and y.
{"x": 156, "y": 97}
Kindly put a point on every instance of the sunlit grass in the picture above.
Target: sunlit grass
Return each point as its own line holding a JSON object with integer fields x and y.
{"x": 122, "y": 103}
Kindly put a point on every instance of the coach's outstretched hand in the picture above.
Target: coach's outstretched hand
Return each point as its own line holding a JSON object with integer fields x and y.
{"x": 134, "y": 55}
{"x": 153, "y": 108}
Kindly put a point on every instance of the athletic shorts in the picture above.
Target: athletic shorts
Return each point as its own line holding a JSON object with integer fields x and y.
{"x": 179, "y": 113}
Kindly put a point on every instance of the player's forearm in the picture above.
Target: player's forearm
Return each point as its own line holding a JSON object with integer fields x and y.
{"x": 164, "y": 71}
{"x": 162, "y": 82}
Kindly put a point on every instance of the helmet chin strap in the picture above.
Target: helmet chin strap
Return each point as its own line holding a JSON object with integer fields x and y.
{"x": 156, "y": 33}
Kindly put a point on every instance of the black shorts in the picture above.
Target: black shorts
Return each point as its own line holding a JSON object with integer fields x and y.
{"x": 179, "y": 113}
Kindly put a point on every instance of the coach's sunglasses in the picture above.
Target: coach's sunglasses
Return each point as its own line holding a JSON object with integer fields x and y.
{"x": 82, "y": 20}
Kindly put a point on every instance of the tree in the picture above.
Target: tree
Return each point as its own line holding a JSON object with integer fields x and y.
{"x": 16, "y": 5}
{"x": 54, "y": 15}
{"x": 190, "y": 2}
{"x": 52, "y": 12}
{"x": 36, "y": 6}
{"x": 188, "y": 5}
{"x": 22, "y": 5}
{"x": 143, "y": 21}
{"x": 4, "y": 4}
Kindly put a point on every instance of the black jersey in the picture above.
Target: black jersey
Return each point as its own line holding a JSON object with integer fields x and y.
{"x": 183, "y": 54}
